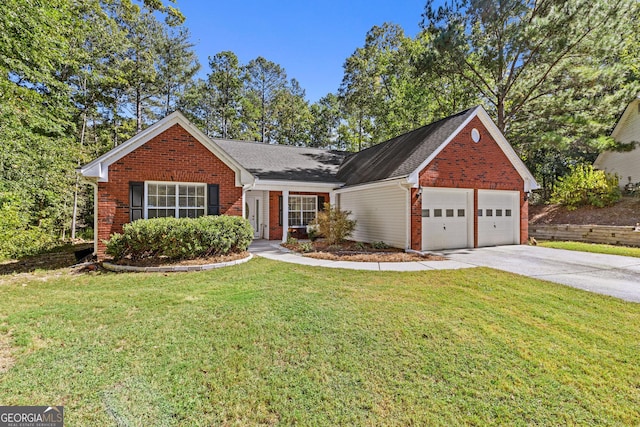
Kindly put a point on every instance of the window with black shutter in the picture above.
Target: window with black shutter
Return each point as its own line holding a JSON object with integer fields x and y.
{"x": 213, "y": 199}
{"x": 136, "y": 200}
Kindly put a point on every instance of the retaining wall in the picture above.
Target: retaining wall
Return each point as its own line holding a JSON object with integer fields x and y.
{"x": 626, "y": 236}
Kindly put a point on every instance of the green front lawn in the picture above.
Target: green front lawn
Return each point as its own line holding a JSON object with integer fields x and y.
{"x": 592, "y": 247}
{"x": 276, "y": 343}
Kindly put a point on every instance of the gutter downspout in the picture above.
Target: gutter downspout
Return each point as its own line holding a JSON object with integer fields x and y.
{"x": 245, "y": 188}
{"x": 95, "y": 216}
{"x": 407, "y": 186}
{"x": 285, "y": 215}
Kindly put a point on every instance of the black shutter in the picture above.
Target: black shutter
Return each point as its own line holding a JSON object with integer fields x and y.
{"x": 279, "y": 210}
{"x": 213, "y": 199}
{"x": 136, "y": 200}
{"x": 320, "y": 203}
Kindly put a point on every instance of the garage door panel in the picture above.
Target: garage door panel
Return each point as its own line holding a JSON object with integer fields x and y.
{"x": 445, "y": 218}
{"x": 498, "y": 217}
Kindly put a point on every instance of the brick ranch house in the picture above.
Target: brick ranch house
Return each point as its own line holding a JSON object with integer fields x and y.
{"x": 456, "y": 183}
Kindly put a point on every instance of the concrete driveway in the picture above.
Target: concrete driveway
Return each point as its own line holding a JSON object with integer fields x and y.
{"x": 613, "y": 275}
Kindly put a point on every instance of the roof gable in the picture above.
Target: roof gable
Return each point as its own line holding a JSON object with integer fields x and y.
{"x": 99, "y": 168}
{"x": 399, "y": 156}
{"x": 406, "y": 155}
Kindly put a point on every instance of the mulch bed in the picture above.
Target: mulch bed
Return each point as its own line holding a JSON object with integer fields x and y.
{"x": 166, "y": 262}
{"x": 359, "y": 252}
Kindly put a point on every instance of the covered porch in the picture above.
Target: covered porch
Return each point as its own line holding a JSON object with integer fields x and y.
{"x": 277, "y": 210}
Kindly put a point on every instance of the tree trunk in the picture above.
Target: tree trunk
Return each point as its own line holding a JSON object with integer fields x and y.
{"x": 500, "y": 114}
{"x": 138, "y": 110}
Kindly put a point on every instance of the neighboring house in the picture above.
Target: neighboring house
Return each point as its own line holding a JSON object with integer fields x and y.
{"x": 455, "y": 183}
{"x": 625, "y": 164}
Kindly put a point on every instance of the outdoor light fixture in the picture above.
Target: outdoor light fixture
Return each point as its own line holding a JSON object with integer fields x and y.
{"x": 419, "y": 193}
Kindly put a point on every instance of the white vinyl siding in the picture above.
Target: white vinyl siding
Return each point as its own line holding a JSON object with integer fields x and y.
{"x": 381, "y": 213}
{"x": 625, "y": 164}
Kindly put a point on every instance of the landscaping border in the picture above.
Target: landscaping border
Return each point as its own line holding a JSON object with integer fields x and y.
{"x": 172, "y": 269}
{"x": 611, "y": 235}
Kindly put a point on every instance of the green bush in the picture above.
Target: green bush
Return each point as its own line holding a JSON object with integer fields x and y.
{"x": 334, "y": 224}
{"x": 584, "y": 186}
{"x": 19, "y": 238}
{"x": 306, "y": 247}
{"x": 379, "y": 245}
{"x": 181, "y": 238}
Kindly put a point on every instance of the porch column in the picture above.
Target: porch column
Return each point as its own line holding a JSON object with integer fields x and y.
{"x": 332, "y": 198}
{"x": 285, "y": 215}
{"x": 244, "y": 202}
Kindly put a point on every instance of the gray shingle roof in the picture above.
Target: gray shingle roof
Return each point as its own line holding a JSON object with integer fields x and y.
{"x": 269, "y": 161}
{"x": 401, "y": 155}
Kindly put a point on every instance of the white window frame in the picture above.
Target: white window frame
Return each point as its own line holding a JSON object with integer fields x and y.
{"x": 301, "y": 211}
{"x": 177, "y": 207}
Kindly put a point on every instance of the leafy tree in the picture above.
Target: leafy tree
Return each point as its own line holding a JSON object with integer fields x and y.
{"x": 546, "y": 70}
{"x": 225, "y": 85}
{"x": 198, "y": 103}
{"x": 383, "y": 92}
{"x": 144, "y": 35}
{"x": 292, "y": 115}
{"x": 36, "y": 164}
{"x": 176, "y": 66}
{"x": 263, "y": 80}
{"x": 56, "y": 81}
{"x": 326, "y": 118}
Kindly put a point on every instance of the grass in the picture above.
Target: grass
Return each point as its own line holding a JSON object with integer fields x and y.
{"x": 592, "y": 247}
{"x": 275, "y": 343}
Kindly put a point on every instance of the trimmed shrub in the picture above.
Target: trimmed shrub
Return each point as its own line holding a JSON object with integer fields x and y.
{"x": 181, "y": 238}
{"x": 334, "y": 224}
{"x": 379, "y": 245}
{"x": 584, "y": 186}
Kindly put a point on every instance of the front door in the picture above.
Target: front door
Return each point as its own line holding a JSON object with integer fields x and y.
{"x": 252, "y": 213}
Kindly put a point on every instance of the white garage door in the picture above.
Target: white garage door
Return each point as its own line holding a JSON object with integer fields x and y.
{"x": 447, "y": 218}
{"x": 498, "y": 217}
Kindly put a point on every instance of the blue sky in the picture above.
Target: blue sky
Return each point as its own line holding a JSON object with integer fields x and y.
{"x": 309, "y": 39}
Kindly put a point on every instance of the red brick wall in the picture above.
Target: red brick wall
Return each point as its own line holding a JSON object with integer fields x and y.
{"x": 466, "y": 164}
{"x": 173, "y": 156}
{"x": 275, "y": 229}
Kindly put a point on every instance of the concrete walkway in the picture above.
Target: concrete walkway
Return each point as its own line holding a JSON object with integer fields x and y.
{"x": 612, "y": 275}
{"x": 272, "y": 250}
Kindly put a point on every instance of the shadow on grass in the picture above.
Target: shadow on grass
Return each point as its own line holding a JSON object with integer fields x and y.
{"x": 64, "y": 256}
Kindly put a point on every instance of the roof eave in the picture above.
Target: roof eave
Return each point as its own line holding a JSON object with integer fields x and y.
{"x": 99, "y": 168}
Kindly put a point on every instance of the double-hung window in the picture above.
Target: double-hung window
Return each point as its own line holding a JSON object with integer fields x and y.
{"x": 179, "y": 200}
{"x": 302, "y": 210}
